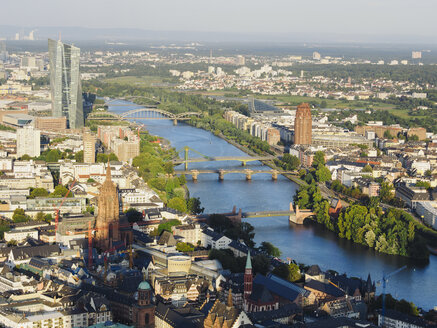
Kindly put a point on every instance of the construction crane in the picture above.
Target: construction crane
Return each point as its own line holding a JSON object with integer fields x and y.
{"x": 59, "y": 208}
{"x": 139, "y": 128}
{"x": 384, "y": 281}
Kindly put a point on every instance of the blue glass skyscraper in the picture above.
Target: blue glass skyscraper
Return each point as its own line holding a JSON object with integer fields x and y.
{"x": 65, "y": 83}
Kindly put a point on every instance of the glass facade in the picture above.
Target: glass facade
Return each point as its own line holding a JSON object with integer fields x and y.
{"x": 65, "y": 83}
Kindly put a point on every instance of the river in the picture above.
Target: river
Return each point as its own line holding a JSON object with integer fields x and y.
{"x": 308, "y": 243}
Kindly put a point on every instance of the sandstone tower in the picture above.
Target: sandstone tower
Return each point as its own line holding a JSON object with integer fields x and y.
{"x": 107, "y": 223}
{"x": 303, "y": 125}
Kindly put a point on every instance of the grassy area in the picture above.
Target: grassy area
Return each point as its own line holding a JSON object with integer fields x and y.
{"x": 144, "y": 81}
{"x": 403, "y": 113}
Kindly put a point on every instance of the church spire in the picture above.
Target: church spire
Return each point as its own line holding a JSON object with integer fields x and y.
{"x": 248, "y": 261}
{"x": 230, "y": 303}
{"x": 108, "y": 171}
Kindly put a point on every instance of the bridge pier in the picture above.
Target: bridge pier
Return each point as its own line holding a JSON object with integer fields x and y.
{"x": 194, "y": 175}
{"x": 175, "y": 122}
{"x": 221, "y": 174}
{"x": 248, "y": 175}
{"x": 274, "y": 175}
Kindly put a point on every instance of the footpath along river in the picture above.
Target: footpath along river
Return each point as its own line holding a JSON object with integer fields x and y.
{"x": 308, "y": 243}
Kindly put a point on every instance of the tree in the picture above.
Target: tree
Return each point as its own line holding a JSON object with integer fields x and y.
{"x": 39, "y": 216}
{"x": 178, "y": 204}
{"x": 38, "y": 192}
{"x": 423, "y": 184}
{"x": 194, "y": 205}
{"x": 12, "y": 242}
{"x": 323, "y": 174}
{"x": 290, "y": 162}
{"x": 112, "y": 157}
{"x": 26, "y": 157}
{"x": 260, "y": 264}
{"x": 428, "y": 173}
{"x": 184, "y": 247}
{"x": 53, "y": 156}
{"x": 60, "y": 192}
{"x": 133, "y": 215}
{"x": 318, "y": 159}
{"x": 167, "y": 225}
{"x": 323, "y": 104}
{"x": 386, "y": 191}
{"x": 270, "y": 249}
{"x": 367, "y": 168}
{"x": 387, "y": 135}
{"x": 290, "y": 272}
{"x": 79, "y": 156}
{"x": 101, "y": 158}
{"x": 20, "y": 216}
{"x": 48, "y": 218}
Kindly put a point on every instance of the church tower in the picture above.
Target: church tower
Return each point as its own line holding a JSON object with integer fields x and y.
{"x": 107, "y": 223}
{"x": 248, "y": 279}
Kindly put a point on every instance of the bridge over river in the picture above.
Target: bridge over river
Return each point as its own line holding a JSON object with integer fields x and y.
{"x": 222, "y": 172}
{"x": 296, "y": 216}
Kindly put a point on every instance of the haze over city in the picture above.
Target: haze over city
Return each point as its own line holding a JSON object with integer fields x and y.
{"x": 278, "y": 20}
{"x": 227, "y": 164}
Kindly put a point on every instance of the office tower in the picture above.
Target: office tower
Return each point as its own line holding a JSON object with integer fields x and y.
{"x": 65, "y": 83}
{"x": 3, "y": 53}
{"x": 241, "y": 61}
{"x": 416, "y": 54}
{"x": 28, "y": 142}
{"x": 89, "y": 147}
{"x": 303, "y": 125}
{"x": 316, "y": 56}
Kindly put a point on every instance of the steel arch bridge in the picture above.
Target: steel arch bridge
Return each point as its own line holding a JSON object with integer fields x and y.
{"x": 156, "y": 113}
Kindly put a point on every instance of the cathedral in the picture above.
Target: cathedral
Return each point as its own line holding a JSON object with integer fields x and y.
{"x": 109, "y": 234}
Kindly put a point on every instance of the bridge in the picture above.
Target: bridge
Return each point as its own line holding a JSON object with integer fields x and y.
{"x": 297, "y": 216}
{"x": 221, "y": 173}
{"x": 205, "y": 158}
{"x": 144, "y": 113}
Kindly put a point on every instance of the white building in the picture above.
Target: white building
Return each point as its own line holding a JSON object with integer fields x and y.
{"x": 20, "y": 235}
{"x": 428, "y": 212}
{"x": 28, "y": 142}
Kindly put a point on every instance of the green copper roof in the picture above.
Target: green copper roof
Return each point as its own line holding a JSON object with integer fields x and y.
{"x": 248, "y": 261}
{"x": 144, "y": 285}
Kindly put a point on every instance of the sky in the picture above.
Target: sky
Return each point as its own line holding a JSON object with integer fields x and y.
{"x": 347, "y": 19}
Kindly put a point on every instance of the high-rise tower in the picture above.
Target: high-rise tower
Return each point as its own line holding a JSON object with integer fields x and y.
{"x": 65, "y": 85}
{"x": 89, "y": 146}
{"x": 303, "y": 125}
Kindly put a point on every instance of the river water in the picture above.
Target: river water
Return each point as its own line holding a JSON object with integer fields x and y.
{"x": 308, "y": 243}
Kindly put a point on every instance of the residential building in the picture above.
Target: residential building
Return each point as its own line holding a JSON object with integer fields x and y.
{"x": 28, "y": 142}
{"x": 395, "y": 319}
{"x": 89, "y": 147}
{"x": 428, "y": 212}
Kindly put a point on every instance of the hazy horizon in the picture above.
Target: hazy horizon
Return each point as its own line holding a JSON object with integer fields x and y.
{"x": 398, "y": 21}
